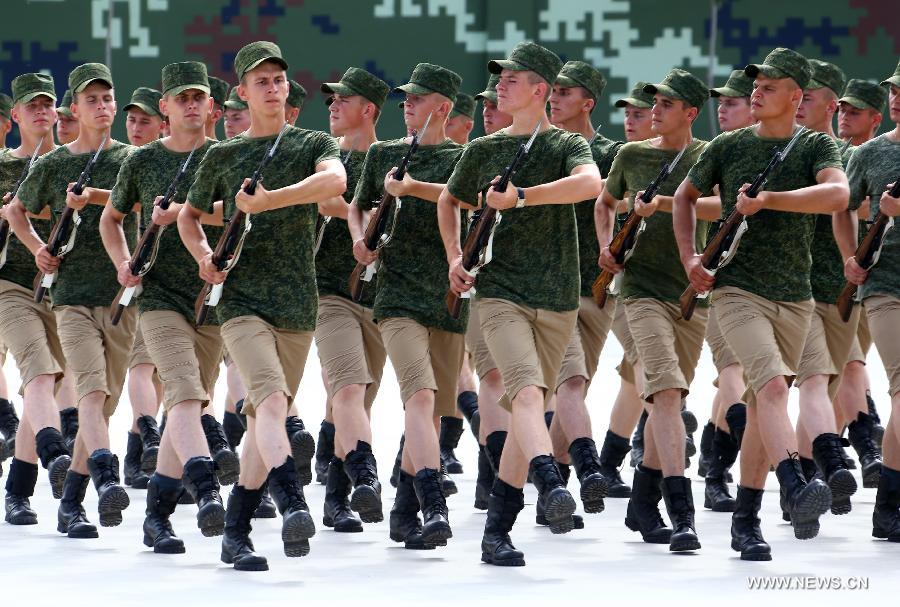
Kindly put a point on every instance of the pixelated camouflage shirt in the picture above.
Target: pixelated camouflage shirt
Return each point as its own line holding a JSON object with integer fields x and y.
{"x": 874, "y": 165}
{"x": 654, "y": 270}
{"x": 275, "y": 277}
{"x": 19, "y": 267}
{"x": 773, "y": 259}
{"x": 412, "y": 277}
{"x": 604, "y": 150}
{"x": 335, "y": 261}
{"x": 86, "y": 276}
{"x": 535, "y": 252}
{"x": 827, "y": 272}
{"x": 173, "y": 282}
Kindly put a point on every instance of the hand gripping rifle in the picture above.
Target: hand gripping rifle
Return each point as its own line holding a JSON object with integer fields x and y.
{"x": 721, "y": 249}
{"x": 4, "y": 225}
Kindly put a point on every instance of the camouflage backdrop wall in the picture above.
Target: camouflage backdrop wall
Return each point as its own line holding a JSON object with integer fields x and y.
{"x": 628, "y": 40}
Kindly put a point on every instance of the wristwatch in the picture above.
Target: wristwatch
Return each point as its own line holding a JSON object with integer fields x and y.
{"x": 521, "y": 201}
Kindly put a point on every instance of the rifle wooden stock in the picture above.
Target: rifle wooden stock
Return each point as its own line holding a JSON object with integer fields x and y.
{"x": 865, "y": 254}
{"x": 619, "y": 246}
{"x": 713, "y": 252}
{"x": 224, "y": 250}
{"x": 374, "y": 231}
{"x": 140, "y": 256}
{"x": 57, "y": 240}
{"x": 476, "y": 240}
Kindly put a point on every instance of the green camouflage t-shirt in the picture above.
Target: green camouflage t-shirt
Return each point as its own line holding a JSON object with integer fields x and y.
{"x": 275, "y": 277}
{"x": 173, "y": 282}
{"x": 535, "y": 261}
{"x": 874, "y": 165}
{"x": 604, "y": 150}
{"x": 654, "y": 270}
{"x": 86, "y": 275}
{"x": 773, "y": 259}
{"x": 827, "y": 273}
{"x": 19, "y": 267}
{"x": 412, "y": 277}
{"x": 335, "y": 261}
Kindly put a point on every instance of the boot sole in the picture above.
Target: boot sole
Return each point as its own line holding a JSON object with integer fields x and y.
{"x": 721, "y": 506}
{"x": 57, "y": 471}
{"x": 22, "y": 519}
{"x": 212, "y": 522}
{"x": 513, "y": 562}
{"x": 690, "y": 421}
{"x": 346, "y": 526}
{"x": 173, "y": 549}
{"x": 842, "y": 485}
{"x": 303, "y": 449}
{"x": 111, "y": 505}
{"x": 805, "y": 518}
{"x": 685, "y": 546}
{"x": 228, "y": 560}
{"x": 756, "y": 557}
{"x": 148, "y": 460}
{"x": 593, "y": 490}
{"x": 871, "y": 477}
{"x": 228, "y": 467}
{"x": 662, "y": 538}
{"x": 88, "y": 534}
{"x": 367, "y": 503}
{"x": 449, "y": 488}
{"x": 558, "y": 510}
{"x": 296, "y": 530}
{"x": 436, "y": 534}
{"x": 454, "y": 468}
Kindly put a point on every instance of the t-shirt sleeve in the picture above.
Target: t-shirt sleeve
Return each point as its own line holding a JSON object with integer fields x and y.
{"x": 33, "y": 191}
{"x": 369, "y": 186}
{"x": 208, "y": 186}
{"x": 856, "y": 175}
{"x": 615, "y": 180}
{"x": 706, "y": 172}
{"x": 463, "y": 182}
{"x": 124, "y": 193}
{"x": 827, "y": 155}
{"x": 578, "y": 153}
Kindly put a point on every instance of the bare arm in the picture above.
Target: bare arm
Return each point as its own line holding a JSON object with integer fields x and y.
{"x": 448, "y": 221}
{"x": 330, "y": 179}
{"x": 830, "y": 194}
{"x": 191, "y": 232}
{"x": 21, "y": 225}
{"x": 584, "y": 183}
{"x": 684, "y": 223}
{"x": 334, "y": 207}
{"x": 605, "y": 217}
{"x": 845, "y": 226}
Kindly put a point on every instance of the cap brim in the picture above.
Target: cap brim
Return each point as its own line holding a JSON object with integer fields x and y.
{"x": 724, "y": 91}
{"x": 30, "y": 96}
{"x": 857, "y": 103}
{"x": 489, "y": 95}
{"x": 567, "y": 83}
{"x": 754, "y": 69}
{"x": 186, "y": 87}
{"x": 664, "y": 90}
{"x": 892, "y": 81}
{"x": 633, "y": 101}
{"x": 234, "y": 105}
{"x": 815, "y": 84}
{"x": 414, "y": 89}
{"x": 259, "y": 62}
{"x": 498, "y": 65}
{"x": 65, "y": 112}
{"x": 85, "y": 84}
{"x": 338, "y": 88}
{"x": 143, "y": 107}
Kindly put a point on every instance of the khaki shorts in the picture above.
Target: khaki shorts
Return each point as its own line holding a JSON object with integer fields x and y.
{"x": 3, "y": 351}
{"x": 669, "y": 346}
{"x": 767, "y": 336}
{"x": 349, "y": 345}
{"x": 186, "y": 357}
{"x": 28, "y": 330}
{"x": 623, "y": 335}
{"x": 827, "y": 345}
{"x": 424, "y": 358}
{"x": 583, "y": 352}
{"x": 884, "y": 318}
{"x": 96, "y": 351}
{"x": 268, "y": 359}
{"x": 139, "y": 353}
{"x": 863, "y": 342}
{"x": 527, "y": 343}
{"x": 226, "y": 358}
{"x": 475, "y": 344}
{"x": 723, "y": 355}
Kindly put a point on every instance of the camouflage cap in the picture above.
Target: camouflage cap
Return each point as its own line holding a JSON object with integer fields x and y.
{"x": 579, "y": 73}
{"x": 464, "y": 106}
{"x": 783, "y": 63}
{"x": 826, "y": 75}
{"x": 218, "y": 90}
{"x": 234, "y": 102}
{"x": 356, "y": 81}
{"x": 146, "y": 100}
{"x": 28, "y": 86}
{"x": 637, "y": 98}
{"x": 255, "y": 53}
{"x": 864, "y": 95}
{"x": 86, "y": 73}
{"x": 180, "y": 77}
{"x": 429, "y": 78}
{"x": 6, "y": 104}
{"x": 65, "y": 105}
{"x": 893, "y": 80}
{"x": 490, "y": 91}
{"x": 739, "y": 84}
{"x": 680, "y": 84}
{"x": 531, "y": 57}
{"x": 296, "y": 94}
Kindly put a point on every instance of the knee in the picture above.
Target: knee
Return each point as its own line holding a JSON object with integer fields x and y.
{"x": 571, "y": 391}
{"x": 775, "y": 392}
{"x": 421, "y": 403}
{"x": 348, "y": 395}
{"x": 493, "y": 379}
{"x": 273, "y": 407}
{"x": 531, "y": 397}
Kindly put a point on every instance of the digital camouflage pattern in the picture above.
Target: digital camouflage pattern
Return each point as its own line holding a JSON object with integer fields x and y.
{"x": 412, "y": 278}
{"x": 874, "y": 165}
{"x": 654, "y": 270}
{"x": 173, "y": 282}
{"x": 86, "y": 277}
{"x": 274, "y": 278}
{"x": 827, "y": 274}
{"x": 535, "y": 260}
{"x": 603, "y": 150}
{"x": 774, "y": 259}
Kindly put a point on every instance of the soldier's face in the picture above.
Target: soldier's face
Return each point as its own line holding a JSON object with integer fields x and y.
{"x": 458, "y": 129}
{"x": 854, "y": 122}
{"x": 514, "y": 91}
{"x": 568, "y": 103}
{"x": 95, "y": 106}
{"x": 265, "y": 88}
{"x": 817, "y": 106}
{"x": 236, "y": 122}
{"x": 668, "y": 114}
{"x": 66, "y": 129}
{"x": 37, "y": 116}
{"x": 417, "y": 108}
{"x": 345, "y": 113}
{"x": 187, "y": 110}
{"x": 493, "y": 118}
{"x": 141, "y": 127}
{"x": 637, "y": 123}
{"x": 773, "y": 98}
{"x": 734, "y": 113}
{"x": 894, "y": 103}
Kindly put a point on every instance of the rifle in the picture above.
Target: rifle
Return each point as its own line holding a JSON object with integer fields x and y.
{"x": 868, "y": 253}
{"x": 478, "y": 248}
{"x": 228, "y": 249}
{"x": 622, "y": 245}
{"x": 62, "y": 237}
{"x": 147, "y": 248}
{"x": 4, "y": 224}
{"x": 721, "y": 249}
{"x": 375, "y": 236}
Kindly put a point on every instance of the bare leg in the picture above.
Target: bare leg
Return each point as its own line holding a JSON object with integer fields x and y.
{"x": 668, "y": 431}
{"x": 421, "y": 435}
{"x": 350, "y": 420}
{"x": 142, "y": 393}
{"x": 775, "y": 429}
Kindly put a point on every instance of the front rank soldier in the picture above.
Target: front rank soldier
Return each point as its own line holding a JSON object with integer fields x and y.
{"x": 218, "y": 92}
{"x": 237, "y": 114}
{"x": 67, "y": 124}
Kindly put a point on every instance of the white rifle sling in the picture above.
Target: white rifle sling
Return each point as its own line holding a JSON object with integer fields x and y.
{"x": 215, "y": 294}
{"x": 727, "y": 255}
{"x": 887, "y": 228}
{"x": 3, "y": 252}
{"x": 127, "y": 296}
{"x": 154, "y": 251}
{"x": 484, "y": 257}
{"x": 372, "y": 268}
{"x": 239, "y": 247}
{"x": 70, "y": 244}
{"x": 321, "y": 235}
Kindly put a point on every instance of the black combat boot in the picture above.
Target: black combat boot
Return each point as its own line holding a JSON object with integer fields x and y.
{"x": 877, "y": 428}
{"x": 71, "y": 518}
{"x": 360, "y": 466}
{"x": 111, "y": 496}
{"x": 736, "y": 418}
{"x": 303, "y": 448}
{"x": 828, "y": 455}
{"x": 504, "y": 504}
{"x": 132, "y": 474}
{"x": 493, "y": 448}
{"x": 724, "y": 454}
{"x": 337, "y": 500}
{"x": 467, "y": 403}
{"x": 680, "y": 505}
{"x": 9, "y": 425}
{"x": 237, "y": 547}
{"x": 690, "y": 426}
{"x": 297, "y": 523}
{"x": 565, "y": 471}
{"x": 637, "y": 441}
{"x": 395, "y": 471}
{"x": 150, "y": 437}
{"x": 266, "y": 508}
{"x": 436, "y": 527}
{"x": 559, "y": 505}
{"x": 228, "y": 466}
{"x": 324, "y": 451}
{"x": 484, "y": 481}
{"x": 19, "y": 487}
{"x": 746, "y": 536}
{"x": 55, "y": 457}
{"x": 860, "y": 433}
{"x": 643, "y": 514}
{"x": 803, "y": 501}
{"x": 68, "y": 425}
{"x": 612, "y": 454}
{"x": 448, "y": 485}
{"x": 706, "y": 438}
{"x": 448, "y": 440}
{"x": 886, "y": 516}
{"x": 586, "y": 461}
{"x": 405, "y": 525}
{"x": 548, "y": 418}
{"x": 200, "y": 481}
{"x": 234, "y": 429}
{"x": 162, "y": 497}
